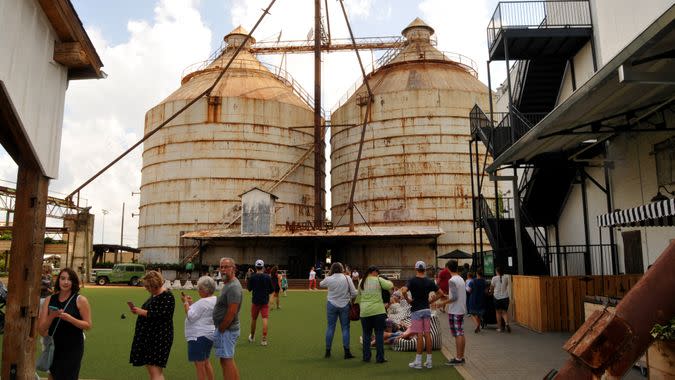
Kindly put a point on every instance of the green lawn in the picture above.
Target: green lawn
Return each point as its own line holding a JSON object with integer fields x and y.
{"x": 295, "y": 351}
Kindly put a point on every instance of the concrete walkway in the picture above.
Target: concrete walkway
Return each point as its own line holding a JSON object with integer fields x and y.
{"x": 522, "y": 354}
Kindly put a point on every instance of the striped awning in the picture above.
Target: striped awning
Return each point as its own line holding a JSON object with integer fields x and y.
{"x": 661, "y": 213}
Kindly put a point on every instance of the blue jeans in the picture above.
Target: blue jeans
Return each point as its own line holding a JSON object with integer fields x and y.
{"x": 332, "y": 314}
{"x": 377, "y": 323}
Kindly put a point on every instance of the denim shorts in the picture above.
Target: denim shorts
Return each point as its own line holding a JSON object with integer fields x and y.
{"x": 200, "y": 349}
{"x": 225, "y": 342}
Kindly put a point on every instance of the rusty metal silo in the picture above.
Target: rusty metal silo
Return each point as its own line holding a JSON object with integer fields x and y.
{"x": 243, "y": 135}
{"x": 415, "y": 166}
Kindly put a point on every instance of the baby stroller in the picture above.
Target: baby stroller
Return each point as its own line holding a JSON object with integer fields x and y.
{"x": 3, "y": 301}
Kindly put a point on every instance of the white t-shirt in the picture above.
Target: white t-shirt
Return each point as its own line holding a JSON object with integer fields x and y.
{"x": 312, "y": 274}
{"x": 199, "y": 319}
{"x": 355, "y": 275}
{"x": 500, "y": 284}
{"x": 457, "y": 291}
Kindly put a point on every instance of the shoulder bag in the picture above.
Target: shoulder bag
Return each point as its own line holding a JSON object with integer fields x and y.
{"x": 47, "y": 355}
{"x": 386, "y": 296}
{"x": 354, "y": 308}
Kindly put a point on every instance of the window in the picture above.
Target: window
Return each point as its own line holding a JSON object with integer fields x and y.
{"x": 664, "y": 154}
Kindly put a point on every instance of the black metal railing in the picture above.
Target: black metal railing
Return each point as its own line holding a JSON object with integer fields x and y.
{"x": 538, "y": 14}
{"x": 568, "y": 260}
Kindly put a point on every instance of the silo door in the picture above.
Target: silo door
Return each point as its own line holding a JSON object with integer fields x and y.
{"x": 294, "y": 267}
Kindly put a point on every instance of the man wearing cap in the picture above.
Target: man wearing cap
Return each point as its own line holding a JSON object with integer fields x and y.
{"x": 260, "y": 284}
{"x": 419, "y": 287}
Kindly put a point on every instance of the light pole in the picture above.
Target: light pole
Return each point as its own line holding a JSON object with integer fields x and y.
{"x": 105, "y": 212}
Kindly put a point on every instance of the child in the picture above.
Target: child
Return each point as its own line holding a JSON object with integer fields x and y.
{"x": 284, "y": 284}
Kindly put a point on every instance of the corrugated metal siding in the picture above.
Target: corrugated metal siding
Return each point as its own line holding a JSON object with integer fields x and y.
{"x": 415, "y": 166}
{"x": 195, "y": 168}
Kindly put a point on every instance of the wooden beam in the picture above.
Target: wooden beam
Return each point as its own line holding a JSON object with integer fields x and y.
{"x": 68, "y": 27}
{"x": 23, "y": 299}
{"x": 70, "y": 54}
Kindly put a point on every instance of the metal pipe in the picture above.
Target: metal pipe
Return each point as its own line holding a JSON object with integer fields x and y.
{"x": 318, "y": 138}
{"x": 649, "y": 302}
{"x": 473, "y": 198}
{"x": 517, "y": 221}
{"x": 608, "y": 196}
{"x": 365, "y": 119}
{"x": 584, "y": 199}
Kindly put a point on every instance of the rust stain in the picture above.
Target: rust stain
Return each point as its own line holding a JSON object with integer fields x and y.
{"x": 214, "y": 110}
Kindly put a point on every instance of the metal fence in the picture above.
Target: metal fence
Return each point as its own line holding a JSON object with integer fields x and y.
{"x": 569, "y": 260}
{"x": 538, "y": 14}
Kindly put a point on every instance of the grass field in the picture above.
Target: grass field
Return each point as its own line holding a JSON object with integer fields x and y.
{"x": 295, "y": 350}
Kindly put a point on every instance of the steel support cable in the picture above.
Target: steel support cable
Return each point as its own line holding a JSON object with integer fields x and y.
{"x": 365, "y": 118}
{"x": 206, "y": 92}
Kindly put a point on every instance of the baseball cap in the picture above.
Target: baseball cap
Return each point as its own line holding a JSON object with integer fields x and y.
{"x": 259, "y": 263}
{"x": 420, "y": 265}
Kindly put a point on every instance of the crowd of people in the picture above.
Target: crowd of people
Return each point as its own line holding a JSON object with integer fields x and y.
{"x": 387, "y": 315}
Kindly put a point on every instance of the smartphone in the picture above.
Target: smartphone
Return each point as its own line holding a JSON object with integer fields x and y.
{"x": 53, "y": 308}
{"x": 131, "y": 305}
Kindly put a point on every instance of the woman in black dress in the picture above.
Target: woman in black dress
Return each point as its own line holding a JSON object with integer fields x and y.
{"x": 154, "y": 327}
{"x": 64, "y": 315}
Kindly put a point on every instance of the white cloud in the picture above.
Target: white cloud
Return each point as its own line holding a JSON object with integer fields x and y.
{"x": 460, "y": 27}
{"x": 105, "y": 117}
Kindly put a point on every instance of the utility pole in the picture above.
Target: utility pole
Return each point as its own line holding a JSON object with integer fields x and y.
{"x": 121, "y": 232}
{"x": 318, "y": 140}
{"x": 105, "y": 212}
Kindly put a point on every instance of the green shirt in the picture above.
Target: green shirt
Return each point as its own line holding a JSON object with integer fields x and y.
{"x": 370, "y": 297}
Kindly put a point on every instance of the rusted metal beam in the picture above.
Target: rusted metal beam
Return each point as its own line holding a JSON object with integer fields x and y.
{"x": 383, "y": 43}
{"x": 612, "y": 342}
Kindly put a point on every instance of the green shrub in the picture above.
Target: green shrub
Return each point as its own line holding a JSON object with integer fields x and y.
{"x": 664, "y": 332}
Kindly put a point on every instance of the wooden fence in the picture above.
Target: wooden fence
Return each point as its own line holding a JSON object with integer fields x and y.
{"x": 557, "y": 303}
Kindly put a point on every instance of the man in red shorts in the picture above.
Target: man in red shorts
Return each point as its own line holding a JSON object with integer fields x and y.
{"x": 260, "y": 284}
{"x": 420, "y": 318}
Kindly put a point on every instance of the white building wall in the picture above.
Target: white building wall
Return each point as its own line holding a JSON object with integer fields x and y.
{"x": 616, "y": 23}
{"x": 571, "y": 223}
{"x": 634, "y": 184}
{"x": 35, "y": 83}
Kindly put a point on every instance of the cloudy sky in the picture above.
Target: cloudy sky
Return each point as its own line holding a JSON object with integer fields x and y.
{"x": 147, "y": 45}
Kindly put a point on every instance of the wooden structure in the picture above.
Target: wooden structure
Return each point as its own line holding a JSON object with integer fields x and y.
{"x": 37, "y": 33}
{"x": 546, "y": 304}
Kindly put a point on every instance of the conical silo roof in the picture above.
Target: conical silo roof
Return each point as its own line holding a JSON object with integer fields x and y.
{"x": 420, "y": 65}
{"x": 246, "y": 77}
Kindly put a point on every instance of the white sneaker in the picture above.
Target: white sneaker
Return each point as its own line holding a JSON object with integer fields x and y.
{"x": 263, "y": 342}
{"x": 415, "y": 365}
{"x": 250, "y": 338}
{"x": 428, "y": 364}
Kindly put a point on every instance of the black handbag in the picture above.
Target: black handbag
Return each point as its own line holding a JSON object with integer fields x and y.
{"x": 386, "y": 296}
